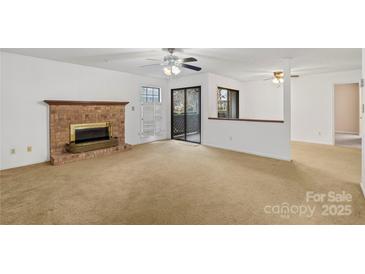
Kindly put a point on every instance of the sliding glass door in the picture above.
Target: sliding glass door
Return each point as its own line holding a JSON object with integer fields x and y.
{"x": 178, "y": 114}
{"x": 186, "y": 114}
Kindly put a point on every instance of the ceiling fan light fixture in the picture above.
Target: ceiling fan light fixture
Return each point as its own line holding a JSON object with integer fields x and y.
{"x": 278, "y": 77}
{"x": 275, "y": 80}
{"x": 172, "y": 65}
{"x": 175, "y": 70}
{"x": 167, "y": 71}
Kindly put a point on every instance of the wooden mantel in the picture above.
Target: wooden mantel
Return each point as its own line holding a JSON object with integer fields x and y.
{"x": 89, "y": 103}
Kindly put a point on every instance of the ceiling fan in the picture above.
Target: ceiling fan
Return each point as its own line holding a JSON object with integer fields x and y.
{"x": 172, "y": 64}
{"x": 278, "y": 77}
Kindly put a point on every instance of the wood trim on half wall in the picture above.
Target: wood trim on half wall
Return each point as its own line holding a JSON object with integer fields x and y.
{"x": 247, "y": 120}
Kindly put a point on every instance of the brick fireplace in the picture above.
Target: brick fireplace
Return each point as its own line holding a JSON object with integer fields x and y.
{"x": 64, "y": 115}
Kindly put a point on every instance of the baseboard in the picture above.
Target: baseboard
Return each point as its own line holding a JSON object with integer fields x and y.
{"x": 312, "y": 142}
{"x": 347, "y": 132}
{"x": 147, "y": 140}
{"x": 25, "y": 166}
{"x": 260, "y": 154}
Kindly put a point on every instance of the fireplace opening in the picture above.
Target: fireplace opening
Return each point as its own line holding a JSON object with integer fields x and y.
{"x": 91, "y": 134}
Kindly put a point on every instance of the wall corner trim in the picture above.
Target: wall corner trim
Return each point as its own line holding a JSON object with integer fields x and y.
{"x": 362, "y": 185}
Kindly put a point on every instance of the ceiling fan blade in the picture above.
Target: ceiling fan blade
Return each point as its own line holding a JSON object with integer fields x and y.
{"x": 153, "y": 59}
{"x": 191, "y": 67}
{"x": 150, "y": 65}
{"x": 294, "y": 75}
{"x": 268, "y": 79}
{"x": 189, "y": 59}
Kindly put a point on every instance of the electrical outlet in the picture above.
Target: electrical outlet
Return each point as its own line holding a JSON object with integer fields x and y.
{"x": 29, "y": 148}
{"x": 12, "y": 151}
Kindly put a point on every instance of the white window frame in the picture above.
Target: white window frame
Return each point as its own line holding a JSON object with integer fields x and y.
{"x": 159, "y": 90}
{"x": 157, "y": 118}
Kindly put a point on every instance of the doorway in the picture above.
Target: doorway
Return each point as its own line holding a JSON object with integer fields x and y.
{"x": 186, "y": 114}
{"x": 348, "y": 115}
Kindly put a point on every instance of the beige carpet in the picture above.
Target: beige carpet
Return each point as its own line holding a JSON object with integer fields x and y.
{"x": 172, "y": 182}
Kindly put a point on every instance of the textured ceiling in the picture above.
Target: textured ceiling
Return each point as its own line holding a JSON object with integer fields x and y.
{"x": 240, "y": 64}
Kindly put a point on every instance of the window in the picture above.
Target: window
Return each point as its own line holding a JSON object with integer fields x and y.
{"x": 151, "y": 111}
{"x": 228, "y": 103}
{"x": 150, "y": 95}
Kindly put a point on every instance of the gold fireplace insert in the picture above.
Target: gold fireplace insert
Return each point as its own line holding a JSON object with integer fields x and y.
{"x": 103, "y": 125}
{"x": 91, "y": 136}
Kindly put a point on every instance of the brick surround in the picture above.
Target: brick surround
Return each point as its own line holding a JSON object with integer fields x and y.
{"x": 64, "y": 113}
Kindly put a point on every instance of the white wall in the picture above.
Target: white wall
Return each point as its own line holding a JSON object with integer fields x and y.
{"x": 27, "y": 81}
{"x": 265, "y": 139}
{"x": 262, "y": 100}
{"x": 313, "y": 105}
